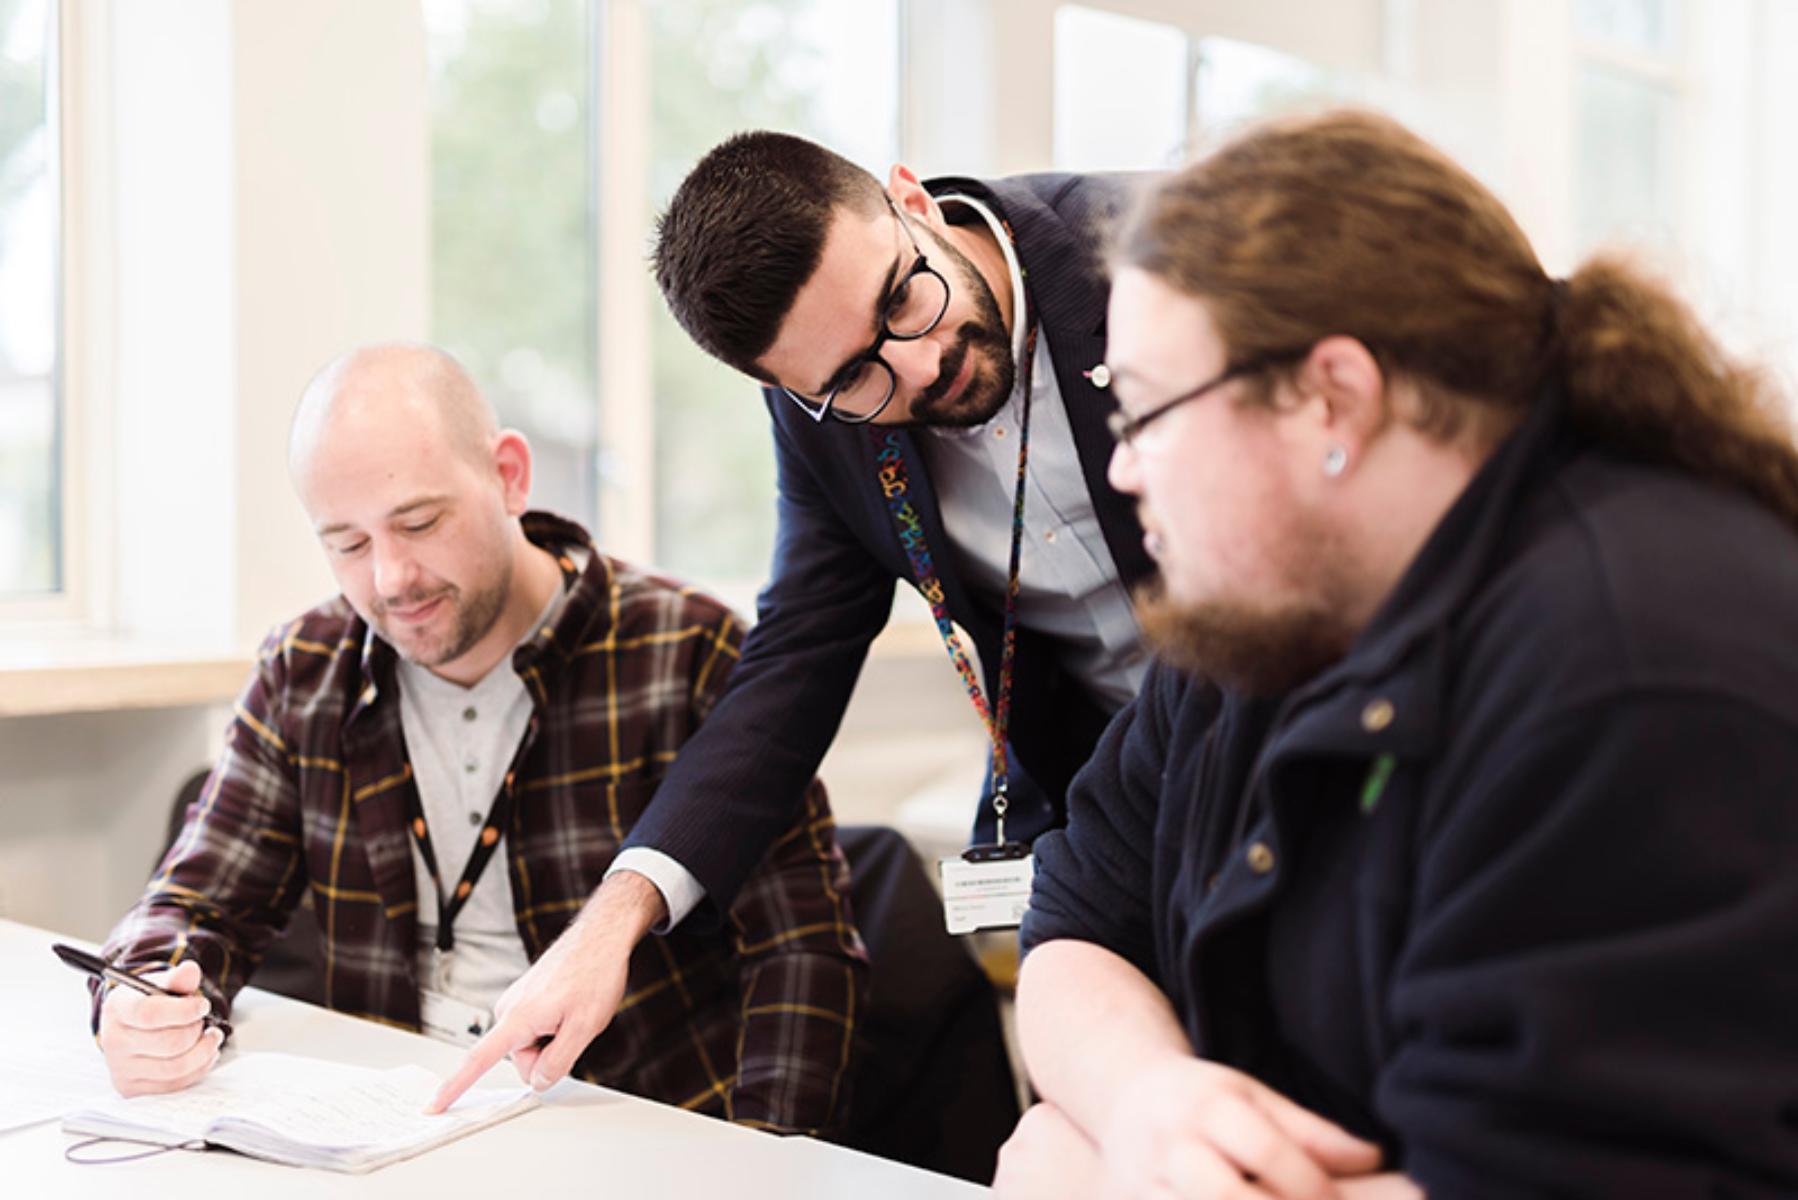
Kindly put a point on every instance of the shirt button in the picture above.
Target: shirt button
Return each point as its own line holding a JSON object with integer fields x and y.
{"x": 471, "y": 766}
{"x": 474, "y": 817}
{"x": 1261, "y": 859}
{"x": 1049, "y": 536}
{"x": 1377, "y": 715}
{"x": 999, "y": 432}
{"x": 469, "y": 714}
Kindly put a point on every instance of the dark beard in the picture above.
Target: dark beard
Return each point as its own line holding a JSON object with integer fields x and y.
{"x": 475, "y": 619}
{"x": 987, "y": 391}
{"x": 1253, "y": 651}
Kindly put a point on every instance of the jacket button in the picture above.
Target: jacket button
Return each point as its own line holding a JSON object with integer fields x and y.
{"x": 1261, "y": 859}
{"x": 1377, "y": 715}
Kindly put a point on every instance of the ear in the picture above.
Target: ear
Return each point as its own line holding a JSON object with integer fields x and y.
{"x": 912, "y": 198}
{"x": 512, "y": 463}
{"x": 1342, "y": 395}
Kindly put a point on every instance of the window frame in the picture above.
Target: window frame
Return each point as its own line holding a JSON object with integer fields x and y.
{"x": 627, "y": 491}
{"x": 75, "y": 96}
{"x": 1671, "y": 72}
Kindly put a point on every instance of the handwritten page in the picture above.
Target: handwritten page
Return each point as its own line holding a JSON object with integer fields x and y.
{"x": 379, "y": 1110}
{"x": 306, "y": 1111}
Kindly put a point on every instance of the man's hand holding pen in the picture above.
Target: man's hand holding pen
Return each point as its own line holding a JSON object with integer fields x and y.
{"x": 159, "y": 1043}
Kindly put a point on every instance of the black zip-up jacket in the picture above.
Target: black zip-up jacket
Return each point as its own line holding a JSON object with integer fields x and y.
{"x": 1513, "y": 888}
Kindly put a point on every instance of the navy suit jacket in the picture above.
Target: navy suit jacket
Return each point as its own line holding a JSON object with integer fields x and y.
{"x": 739, "y": 779}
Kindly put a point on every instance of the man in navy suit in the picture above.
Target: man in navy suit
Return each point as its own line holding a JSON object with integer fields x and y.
{"x": 908, "y": 336}
{"x": 909, "y": 311}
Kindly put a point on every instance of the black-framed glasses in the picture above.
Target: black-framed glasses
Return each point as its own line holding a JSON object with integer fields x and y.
{"x": 1126, "y": 428}
{"x": 865, "y": 386}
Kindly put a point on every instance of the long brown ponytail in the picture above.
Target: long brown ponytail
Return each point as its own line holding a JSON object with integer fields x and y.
{"x": 1644, "y": 376}
{"x": 1347, "y": 223}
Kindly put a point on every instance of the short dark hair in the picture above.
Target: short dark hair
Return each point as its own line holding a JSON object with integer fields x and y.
{"x": 744, "y": 232}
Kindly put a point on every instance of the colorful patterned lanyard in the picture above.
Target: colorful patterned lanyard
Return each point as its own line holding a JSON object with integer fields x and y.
{"x": 895, "y": 485}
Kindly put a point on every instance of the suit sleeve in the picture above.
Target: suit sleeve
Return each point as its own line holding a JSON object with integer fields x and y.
{"x": 1094, "y": 879}
{"x": 740, "y": 780}
{"x": 1597, "y": 994}
{"x": 233, "y": 875}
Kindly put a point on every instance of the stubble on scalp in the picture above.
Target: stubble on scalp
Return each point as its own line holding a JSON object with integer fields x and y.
{"x": 430, "y": 390}
{"x": 428, "y": 379}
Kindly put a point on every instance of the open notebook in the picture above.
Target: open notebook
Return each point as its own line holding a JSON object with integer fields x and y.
{"x": 306, "y": 1112}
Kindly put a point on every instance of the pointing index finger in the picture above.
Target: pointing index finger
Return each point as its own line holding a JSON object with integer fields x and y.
{"x": 499, "y": 1041}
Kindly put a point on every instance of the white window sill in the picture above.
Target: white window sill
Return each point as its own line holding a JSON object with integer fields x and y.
{"x": 49, "y": 676}
{"x": 61, "y": 670}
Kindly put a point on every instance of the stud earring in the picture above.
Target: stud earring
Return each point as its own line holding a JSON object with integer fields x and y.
{"x": 1335, "y": 461}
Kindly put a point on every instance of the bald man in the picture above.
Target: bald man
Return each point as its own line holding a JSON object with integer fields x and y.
{"x": 447, "y": 756}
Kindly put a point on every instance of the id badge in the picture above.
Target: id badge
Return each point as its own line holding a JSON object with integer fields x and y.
{"x": 989, "y": 892}
{"x": 451, "y": 1020}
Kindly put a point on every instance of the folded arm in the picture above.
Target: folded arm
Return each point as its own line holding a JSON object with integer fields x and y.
{"x": 1104, "y": 1045}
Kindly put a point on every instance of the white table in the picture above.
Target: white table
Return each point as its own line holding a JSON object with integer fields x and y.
{"x": 585, "y": 1140}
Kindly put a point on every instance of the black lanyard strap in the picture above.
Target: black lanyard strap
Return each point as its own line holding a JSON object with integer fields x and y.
{"x": 499, "y": 817}
{"x": 485, "y": 845}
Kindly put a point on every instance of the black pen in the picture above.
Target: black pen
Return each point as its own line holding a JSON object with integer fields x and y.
{"x": 99, "y": 968}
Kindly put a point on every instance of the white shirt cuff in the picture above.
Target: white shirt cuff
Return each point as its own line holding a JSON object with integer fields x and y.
{"x": 680, "y": 891}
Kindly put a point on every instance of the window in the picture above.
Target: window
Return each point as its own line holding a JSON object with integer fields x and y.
{"x": 31, "y": 540}
{"x": 1237, "y": 82}
{"x": 1121, "y": 100}
{"x": 512, "y": 250}
{"x": 1134, "y": 94}
{"x": 1644, "y": 26}
{"x": 1626, "y": 108}
{"x": 560, "y": 128}
{"x": 817, "y": 68}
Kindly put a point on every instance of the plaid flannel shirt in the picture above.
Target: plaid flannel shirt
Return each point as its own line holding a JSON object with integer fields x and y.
{"x": 752, "y": 1022}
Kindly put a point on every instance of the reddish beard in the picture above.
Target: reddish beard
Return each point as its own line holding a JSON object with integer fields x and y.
{"x": 1257, "y": 651}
